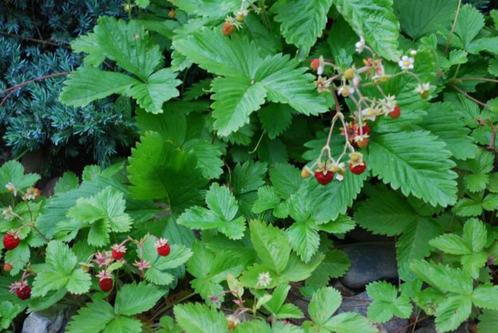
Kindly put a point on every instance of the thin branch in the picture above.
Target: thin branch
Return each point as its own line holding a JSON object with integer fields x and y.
{"x": 485, "y": 79}
{"x": 9, "y": 91}
{"x": 34, "y": 40}
{"x": 473, "y": 99}
{"x": 453, "y": 27}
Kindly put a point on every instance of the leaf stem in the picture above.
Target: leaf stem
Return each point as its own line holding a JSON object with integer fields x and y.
{"x": 453, "y": 26}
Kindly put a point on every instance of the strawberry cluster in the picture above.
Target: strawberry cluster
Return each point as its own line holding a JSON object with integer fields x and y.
{"x": 348, "y": 84}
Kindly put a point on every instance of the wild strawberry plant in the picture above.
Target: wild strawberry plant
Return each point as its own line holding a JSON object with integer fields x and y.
{"x": 269, "y": 130}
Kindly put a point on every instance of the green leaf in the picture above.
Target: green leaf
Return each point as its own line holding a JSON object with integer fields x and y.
{"x": 303, "y": 239}
{"x": 13, "y": 172}
{"x": 335, "y": 264}
{"x": 208, "y": 8}
{"x": 488, "y": 321}
{"x": 422, "y": 17}
{"x": 234, "y": 101}
{"x": 442, "y": 122}
{"x": 486, "y": 297}
{"x": 419, "y": 165}
{"x": 60, "y": 272}
{"x": 302, "y": 21}
{"x": 271, "y": 245}
{"x": 452, "y": 311}
{"x": 68, "y": 181}
{"x": 468, "y": 207}
{"x": 209, "y": 157}
{"x": 88, "y": 84}
{"x": 159, "y": 170}
{"x": 142, "y": 3}
{"x": 323, "y": 304}
{"x": 248, "y": 78}
{"x": 133, "y": 299}
{"x": 269, "y": 113}
{"x": 267, "y": 199}
{"x": 124, "y": 325}
{"x": 376, "y": 22}
{"x": 475, "y": 233}
{"x": 348, "y": 322}
{"x": 93, "y": 317}
{"x": 437, "y": 275}
{"x": 221, "y": 214}
{"x": 386, "y": 303}
{"x": 199, "y": 318}
{"x": 159, "y": 88}
{"x": 385, "y": 213}
{"x": 470, "y": 22}
{"x": 451, "y": 244}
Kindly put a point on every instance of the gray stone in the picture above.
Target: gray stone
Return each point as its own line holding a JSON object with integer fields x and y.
{"x": 359, "y": 304}
{"x": 37, "y": 322}
{"x": 370, "y": 262}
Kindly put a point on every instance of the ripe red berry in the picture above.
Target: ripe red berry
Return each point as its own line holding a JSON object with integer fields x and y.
{"x": 24, "y": 292}
{"x": 10, "y": 241}
{"x": 7, "y": 267}
{"x": 228, "y": 28}
{"x": 117, "y": 255}
{"x": 396, "y": 112}
{"x": 105, "y": 284}
{"x": 315, "y": 63}
{"x": 324, "y": 178}
{"x": 163, "y": 250}
{"x": 365, "y": 129}
{"x": 358, "y": 169}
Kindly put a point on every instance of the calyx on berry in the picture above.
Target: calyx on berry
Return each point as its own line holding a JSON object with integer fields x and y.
{"x": 118, "y": 251}
{"x": 11, "y": 240}
{"x": 356, "y": 163}
{"x": 324, "y": 173}
{"x": 105, "y": 281}
{"x": 162, "y": 247}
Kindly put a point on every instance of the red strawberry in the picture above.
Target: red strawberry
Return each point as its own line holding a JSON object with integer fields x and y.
{"x": 11, "y": 240}
{"x": 324, "y": 178}
{"x": 24, "y": 292}
{"x": 118, "y": 251}
{"x": 365, "y": 129}
{"x": 7, "y": 267}
{"x": 395, "y": 113}
{"x": 357, "y": 169}
{"x": 162, "y": 247}
{"x": 315, "y": 63}
{"x": 105, "y": 284}
{"x": 228, "y": 28}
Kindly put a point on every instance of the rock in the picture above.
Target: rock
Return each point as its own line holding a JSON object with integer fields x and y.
{"x": 370, "y": 262}
{"x": 37, "y": 322}
{"x": 431, "y": 328}
{"x": 359, "y": 304}
{"x": 359, "y": 234}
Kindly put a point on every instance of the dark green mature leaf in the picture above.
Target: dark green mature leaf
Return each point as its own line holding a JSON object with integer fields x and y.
{"x": 93, "y": 317}
{"x": 199, "y": 318}
{"x": 419, "y": 165}
{"x": 133, "y": 299}
{"x": 160, "y": 170}
{"x": 376, "y": 22}
{"x": 271, "y": 245}
{"x": 302, "y": 21}
{"x": 425, "y": 16}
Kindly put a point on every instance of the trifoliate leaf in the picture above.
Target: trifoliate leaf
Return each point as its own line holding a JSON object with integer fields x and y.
{"x": 376, "y": 22}
{"x": 221, "y": 214}
{"x": 60, "y": 272}
{"x": 386, "y": 303}
{"x": 199, "y": 318}
{"x": 419, "y": 165}
{"x": 302, "y": 21}
{"x": 133, "y": 299}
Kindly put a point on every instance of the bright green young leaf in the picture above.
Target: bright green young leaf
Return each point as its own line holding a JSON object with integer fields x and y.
{"x": 349, "y": 322}
{"x": 323, "y": 304}
{"x": 302, "y": 21}
{"x": 488, "y": 321}
{"x": 376, "y": 22}
{"x": 452, "y": 311}
{"x": 419, "y": 165}
{"x": 271, "y": 245}
{"x": 60, "y": 271}
{"x": 199, "y": 318}
{"x": 437, "y": 275}
{"x": 13, "y": 172}
{"x": 475, "y": 233}
{"x": 486, "y": 297}
{"x": 386, "y": 303}
{"x": 451, "y": 244}
{"x": 124, "y": 325}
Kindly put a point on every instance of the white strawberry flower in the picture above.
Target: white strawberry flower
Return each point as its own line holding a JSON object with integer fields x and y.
{"x": 360, "y": 45}
{"x": 406, "y": 63}
{"x": 423, "y": 88}
{"x": 264, "y": 280}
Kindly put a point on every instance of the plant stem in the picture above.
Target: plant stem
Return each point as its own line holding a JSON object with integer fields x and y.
{"x": 453, "y": 27}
